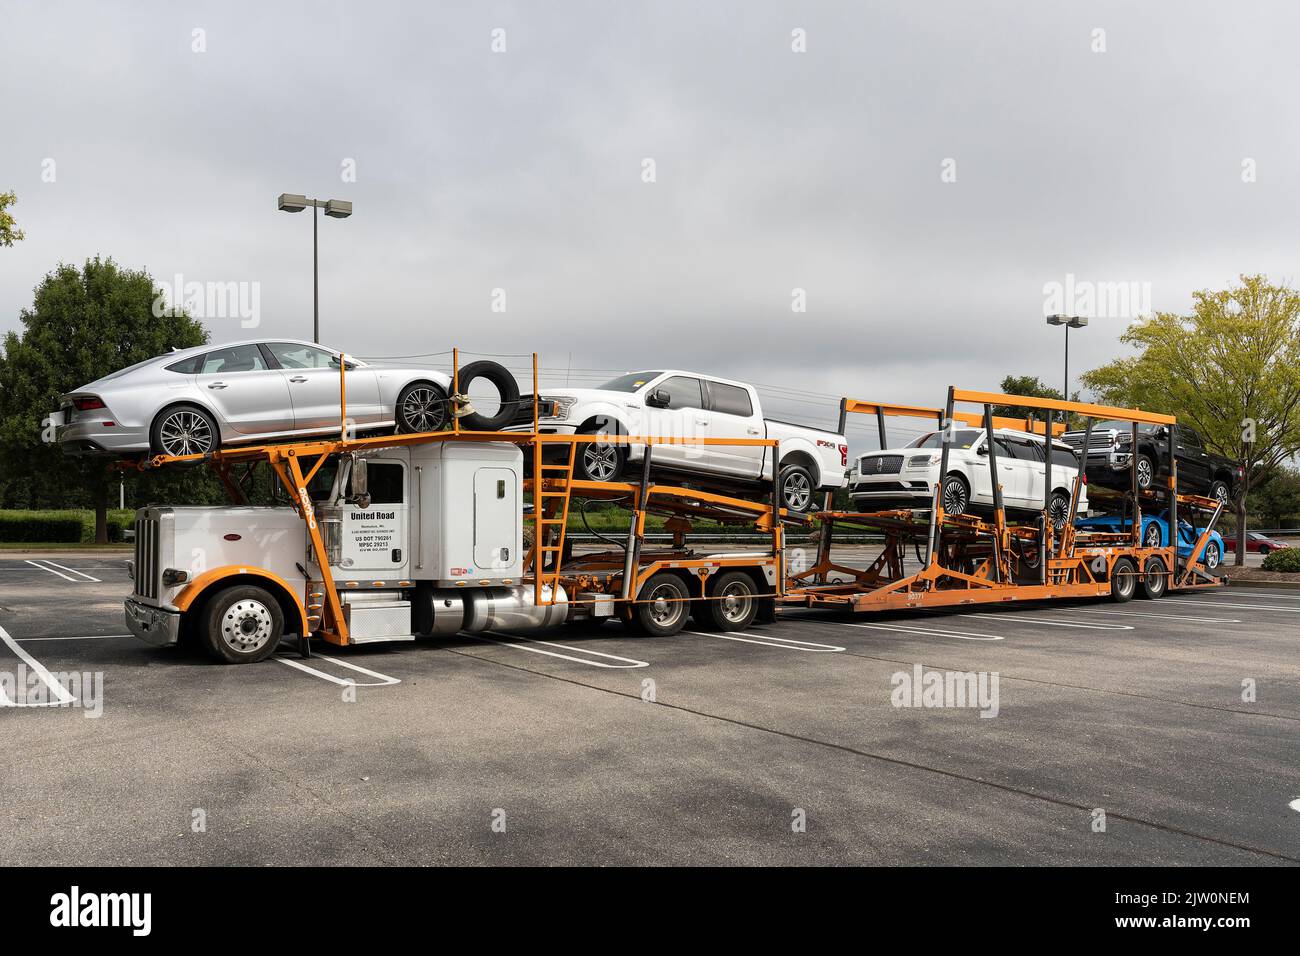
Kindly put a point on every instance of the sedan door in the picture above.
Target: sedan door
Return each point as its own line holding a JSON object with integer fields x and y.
{"x": 311, "y": 374}
{"x": 250, "y": 396}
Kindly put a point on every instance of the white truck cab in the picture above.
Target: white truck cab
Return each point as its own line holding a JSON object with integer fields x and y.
{"x": 421, "y": 539}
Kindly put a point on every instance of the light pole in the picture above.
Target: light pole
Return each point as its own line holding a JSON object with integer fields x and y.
{"x": 334, "y": 208}
{"x": 1070, "y": 322}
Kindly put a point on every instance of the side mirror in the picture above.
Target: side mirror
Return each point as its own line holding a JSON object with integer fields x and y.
{"x": 982, "y": 450}
{"x": 659, "y": 398}
{"x": 357, "y": 484}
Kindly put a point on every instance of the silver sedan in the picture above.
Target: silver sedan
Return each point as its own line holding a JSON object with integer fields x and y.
{"x": 192, "y": 401}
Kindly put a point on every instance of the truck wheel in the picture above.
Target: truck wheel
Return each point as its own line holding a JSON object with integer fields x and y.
{"x": 1155, "y": 580}
{"x": 1219, "y": 490}
{"x": 421, "y": 407}
{"x": 662, "y": 606}
{"x": 734, "y": 602}
{"x": 241, "y": 625}
{"x": 1123, "y": 580}
{"x": 600, "y": 461}
{"x": 797, "y": 488}
{"x": 1146, "y": 473}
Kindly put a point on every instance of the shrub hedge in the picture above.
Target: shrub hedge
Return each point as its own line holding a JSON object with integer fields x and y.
{"x": 1286, "y": 559}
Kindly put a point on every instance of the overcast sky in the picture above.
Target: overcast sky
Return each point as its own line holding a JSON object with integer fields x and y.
{"x": 922, "y": 171}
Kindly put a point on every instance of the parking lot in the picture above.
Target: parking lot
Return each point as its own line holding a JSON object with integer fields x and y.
{"x": 777, "y": 745}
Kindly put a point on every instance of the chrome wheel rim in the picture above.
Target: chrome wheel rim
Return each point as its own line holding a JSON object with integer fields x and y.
{"x": 1057, "y": 510}
{"x": 1221, "y": 493}
{"x": 954, "y": 497}
{"x": 736, "y": 600}
{"x": 1144, "y": 473}
{"x": 1155, "y": 576}
{"x": 185, "y": 433}
{"x": 666, "y": 605}
{"x": 246, "y": 626}
{"x": 423, "y": 410}
{"x": 1153, "y": 536}
{"x": 797, "y": 491}
{"x": 1212, "y": 556}
{"x": 600, "y": 461}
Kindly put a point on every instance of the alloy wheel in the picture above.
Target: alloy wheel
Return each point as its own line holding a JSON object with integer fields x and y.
{"x": 797, "y": 491}
{"x": 954, "y": 497}
{"x": 185, "y": 433}
{"x": 735, "y": 601}
{"x": 423, "y": 410}
{"x": 666, "y": 605}
{"x": 600, "y": 461}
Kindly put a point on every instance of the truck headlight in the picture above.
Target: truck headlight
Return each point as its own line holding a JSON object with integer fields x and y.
{"x": 171, "y": 577}
{"x": 560, "y": 407}
{"x": 1124, "y": 438}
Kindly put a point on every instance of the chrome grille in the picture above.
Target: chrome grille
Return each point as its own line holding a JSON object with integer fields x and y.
{"x": 1100, "y": 441}
{"x": 146, "y": 557}
{"x": 880, "y": 464}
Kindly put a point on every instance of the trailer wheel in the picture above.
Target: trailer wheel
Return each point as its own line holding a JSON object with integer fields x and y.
{"x": 1155, "y": 580}
{"x": 733, "y": 603}
{"x": 662, "y": 606}
{"x": 1123, "y": 580}
{"x": 241, "y": 625}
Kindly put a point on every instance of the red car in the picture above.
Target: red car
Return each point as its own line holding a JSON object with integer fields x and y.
{"x": 1255, "y": 541}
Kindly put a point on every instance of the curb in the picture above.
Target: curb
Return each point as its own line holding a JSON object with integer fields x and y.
{"x": 1248, "y": 583}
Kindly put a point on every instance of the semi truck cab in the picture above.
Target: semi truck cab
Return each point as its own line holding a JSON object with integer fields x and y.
{"x": 420, "y": 539}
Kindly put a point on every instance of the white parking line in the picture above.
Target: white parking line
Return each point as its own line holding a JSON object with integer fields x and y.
{"x": 1167, "y": 617}
{"x": 1252, "y": 607}
{"x": 81, "y": 637}
{"x": 55, "y": 687}
{"x": 932, "y": 632}
{"x": 71, "y": 570}
{"x": 768, "y": 640}
{"x": 57, "y": 574}
{"x": 383, "y": 679}
{"x": 1053, "y": 622}
{"x": 521, "y": 643}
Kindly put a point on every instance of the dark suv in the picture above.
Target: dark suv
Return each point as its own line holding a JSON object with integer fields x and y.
{"x": 1110, "y": 456}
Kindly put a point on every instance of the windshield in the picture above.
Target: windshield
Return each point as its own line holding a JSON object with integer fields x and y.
{"x": 630, "y": 382}
{"x": 962, "y": 438}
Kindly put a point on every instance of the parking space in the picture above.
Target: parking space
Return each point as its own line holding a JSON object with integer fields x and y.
{"x": 1173, "y": 724}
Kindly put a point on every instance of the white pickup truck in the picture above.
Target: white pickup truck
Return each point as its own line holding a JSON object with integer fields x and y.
{"x": 689, "y": 406}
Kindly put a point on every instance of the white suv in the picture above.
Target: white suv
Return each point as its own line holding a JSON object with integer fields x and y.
{"x": 906, "y": 477}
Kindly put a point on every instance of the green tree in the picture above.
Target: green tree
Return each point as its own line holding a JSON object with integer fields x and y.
{"x": 1230, "y": 369}
{"x": 9, "y": 231}
{"x": 1031, "y": 386}
{"x": 1278, "y": 498}
{"x": 83, "y": 324}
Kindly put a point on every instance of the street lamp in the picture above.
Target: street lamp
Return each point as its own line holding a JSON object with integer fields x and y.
{"x": 1070, "y": 322}
{"x": 335, "y": 209}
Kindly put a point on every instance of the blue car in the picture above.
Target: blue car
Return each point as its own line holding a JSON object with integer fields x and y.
{"x": 1155, "y": 534}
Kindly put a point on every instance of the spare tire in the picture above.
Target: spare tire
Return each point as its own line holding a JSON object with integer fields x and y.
{"x": 506, "y": 386}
